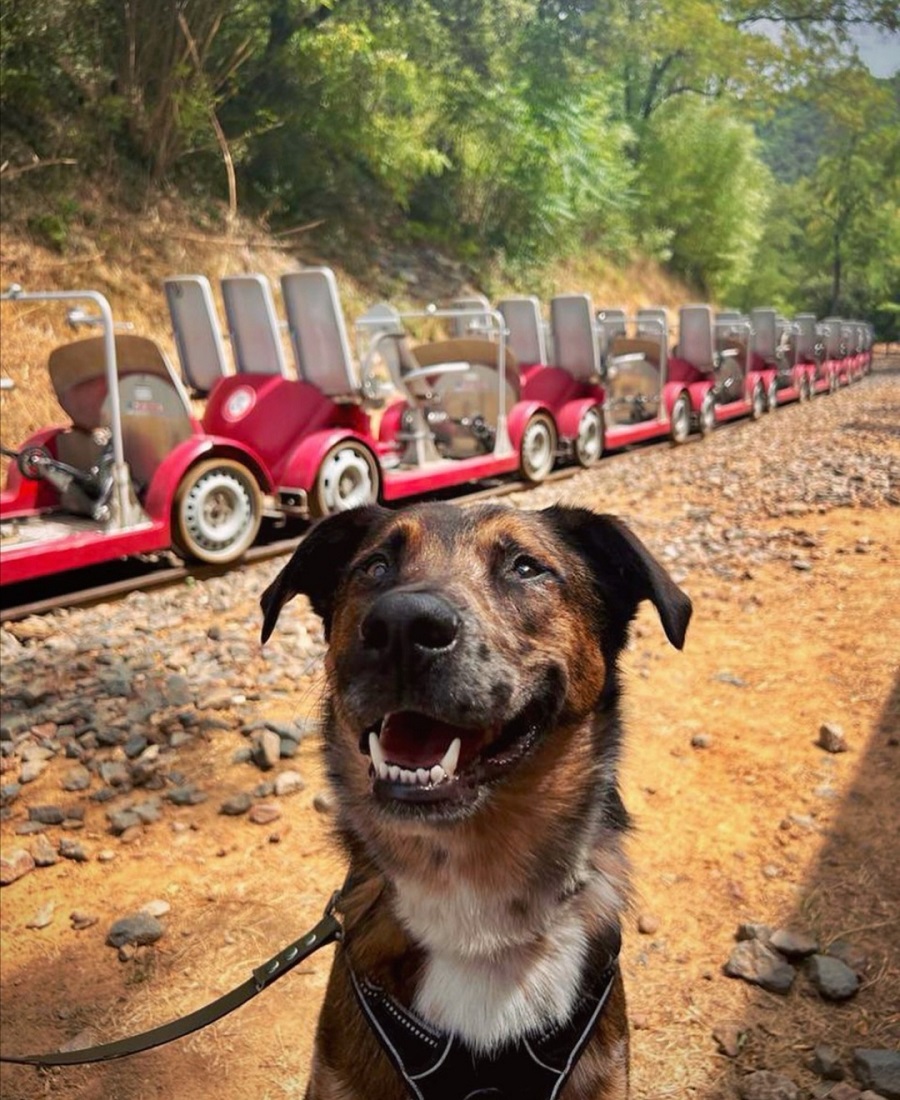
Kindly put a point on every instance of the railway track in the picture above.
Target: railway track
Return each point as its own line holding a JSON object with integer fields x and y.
{"x": 159, "y": 574}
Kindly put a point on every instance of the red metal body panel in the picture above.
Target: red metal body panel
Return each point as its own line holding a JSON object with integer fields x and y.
{"x": 79, "y": 549}
{"x": 300, "y": 467}
{"x": 397, "y": 484}
{"x": 268, "y": 414}
{"x": 519, "y": 415}
{"x": 569, "y": 417}
{"x": 22, "y": 496}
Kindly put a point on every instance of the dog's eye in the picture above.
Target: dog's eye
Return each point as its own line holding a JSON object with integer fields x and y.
{"x": 375, "y": 567}
{"x": 527, "y": 568}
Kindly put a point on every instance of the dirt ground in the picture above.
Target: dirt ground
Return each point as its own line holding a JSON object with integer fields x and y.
{"x": 756, "y": 823}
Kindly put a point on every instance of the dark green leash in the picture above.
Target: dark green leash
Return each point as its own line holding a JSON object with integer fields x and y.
{"x": 328, "y": 930}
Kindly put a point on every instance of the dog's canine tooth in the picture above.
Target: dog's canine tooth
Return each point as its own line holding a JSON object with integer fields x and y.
{"x": 437, "y": 774}
{"x": 451, "y": 758}
{"x": 376, "y": 753}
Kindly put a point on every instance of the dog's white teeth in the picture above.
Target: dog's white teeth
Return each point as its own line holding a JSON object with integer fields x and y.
{"x": 377, "y": 754}
{"x": 423, "y": 775}
{"x": 407, "y": 776}
{"x": 451, "y": 758}
{"x": 394, "y": 773}
{"x": 437, "y": 773}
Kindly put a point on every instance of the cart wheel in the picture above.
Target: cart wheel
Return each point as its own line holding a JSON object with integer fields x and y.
{"x": 590, "y": 439}
{"x": 757, "y": 402}
{"x": 804, "y": 389}
{"x": 680, "y": 420}
{"x": 537, "y": 452}
{"x": 347, "y": 478}
{"x": 772, "y": 397}
{"x": 707, "y": 415}
{"x": 218, "y": 509}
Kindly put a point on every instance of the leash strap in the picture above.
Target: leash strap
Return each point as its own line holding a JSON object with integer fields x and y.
{"x": 328, "y": 930}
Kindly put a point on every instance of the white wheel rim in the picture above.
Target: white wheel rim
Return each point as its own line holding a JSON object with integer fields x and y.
{"x": 590, "y": 437}
{"x": 217, "y": 511}
{"x": 681, "y": 420}
{"x": 537, "y": 449}
{"x": 346, "y": 481}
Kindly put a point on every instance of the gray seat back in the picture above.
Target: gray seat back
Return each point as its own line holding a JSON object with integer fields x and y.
{"x": 574, "y": 336}
{"x": 467, "y": 323}
{"x": 695, "y": 336}
{"x": 527, "y": 337}
{"x": 653, "y": 323}
{"x": 806, "y": 335}
{"x": 765, "y": 332}
{"x": 195, "y": 325}
{"x": 253, "y": 325}
{"x": 318, "y": 332}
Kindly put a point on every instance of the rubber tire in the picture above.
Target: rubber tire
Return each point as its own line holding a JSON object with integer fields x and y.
{"x": 680, "y": 419}
{"x": 193, "y": 529}
{"x": 327, "y": 497}
{"x": 772, "y": 398}
{"x": 757, "y": 402}
{"x": 587, "y": 456}
{"x": 706, "y": 418}
{"x": 542, "y": 423}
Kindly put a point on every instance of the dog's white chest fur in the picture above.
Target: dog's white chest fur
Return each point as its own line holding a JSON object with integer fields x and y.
{"x": 487, "y": 979}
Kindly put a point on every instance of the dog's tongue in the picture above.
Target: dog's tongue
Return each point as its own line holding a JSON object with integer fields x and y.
{"x": 417, "y": 741}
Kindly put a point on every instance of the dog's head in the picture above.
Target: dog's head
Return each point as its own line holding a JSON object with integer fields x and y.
{"x": 470, "y": 649}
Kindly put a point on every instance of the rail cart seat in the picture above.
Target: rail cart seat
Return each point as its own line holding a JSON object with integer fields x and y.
{"x": 696, "y": 342}
{"x": 467, "y": 323}
{"x": 833, "y": 337}
{"x": 765, "y": 333}
{"x": 253, "y": 325}
{"x": 527, "y": 335}
{"x": 319, "y": 333}
{"x": 198, "y": 338}
{"x": 653, "y": 323}
{"x": 155, "y": 410}
{"x": 575, "y": 336}
{"x": 806, "y": 337}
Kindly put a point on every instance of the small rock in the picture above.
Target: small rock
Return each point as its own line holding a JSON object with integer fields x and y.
{"x": 137, "y": 930}
{"x": 71, "y": 849}
{"x": 266, "y": 751}
{"x": 878, "y": 1070}
{"x": 188, "y": 795}
{"x": 754, "y": 962}
{"x": 730, "y": 678}
{"x": 834, "y": 980}
{"x": 647, "y": 924}
{"x": 43, "y": 916}
{"x": 849, "y": 954}
{"x": 77, "y": 778}
{"x": 841, "y": 1092}
{"x": 765, "y": 1085}
{"x": 793, "y": 945}
{"x": 14, "y": 864}
{"x": 46, "y": 815}
{"x": 43, "y": 853}
{"x": 827, "y": 1063}
{"x": 107, "y": 855}
{"x": 288, "y": 782}
{"x": 120, "y": 820}
{"x": 264, "y": 814}
{"x": 701, "y": 741}
{"x": 30, "y": 770}
{"x": 156, "y": 908}
{"x": 730, "y": 1038}
{"x": 81, "y": 920}
{"x": 831, "y": 738}
{"x": 236, "y": 805}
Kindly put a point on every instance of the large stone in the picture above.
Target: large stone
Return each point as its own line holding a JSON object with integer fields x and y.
{"x": 879, "y": 1070}
{"x": 14, "y": 864}
{"x": 793, "y": 945}
{"x": 834, "y": 980}
{"x": 138, "y": 929}
{"x": 753, "y": 961}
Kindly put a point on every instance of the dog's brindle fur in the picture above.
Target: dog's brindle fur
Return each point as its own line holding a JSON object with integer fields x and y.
{"x": 486, "y": 913}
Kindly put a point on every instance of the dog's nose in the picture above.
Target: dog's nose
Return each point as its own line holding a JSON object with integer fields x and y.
{"x": 410, "y": 624}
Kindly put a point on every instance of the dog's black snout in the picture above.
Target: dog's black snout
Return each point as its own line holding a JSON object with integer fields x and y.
{"x": 404, "y": 623}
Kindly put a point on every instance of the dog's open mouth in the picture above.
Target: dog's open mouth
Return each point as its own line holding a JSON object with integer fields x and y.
{"x": 418, "y": 758}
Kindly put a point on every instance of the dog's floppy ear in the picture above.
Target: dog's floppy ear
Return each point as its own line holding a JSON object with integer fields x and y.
{"x": 624, "y": 569}
{"x": 318, "y": 565}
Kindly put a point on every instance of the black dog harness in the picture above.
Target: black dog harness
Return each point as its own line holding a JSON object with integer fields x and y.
{"x": 437, "y": 1066}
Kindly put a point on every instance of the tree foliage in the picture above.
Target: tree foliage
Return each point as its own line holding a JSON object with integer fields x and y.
{"x": 521, "y": 128}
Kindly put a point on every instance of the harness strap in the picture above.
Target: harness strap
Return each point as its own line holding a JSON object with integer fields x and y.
{"x": 328, "y": 930}
{"x": 437, "y": 1066}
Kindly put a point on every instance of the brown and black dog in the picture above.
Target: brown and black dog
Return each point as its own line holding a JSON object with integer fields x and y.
{"x": 472, "y": 736}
